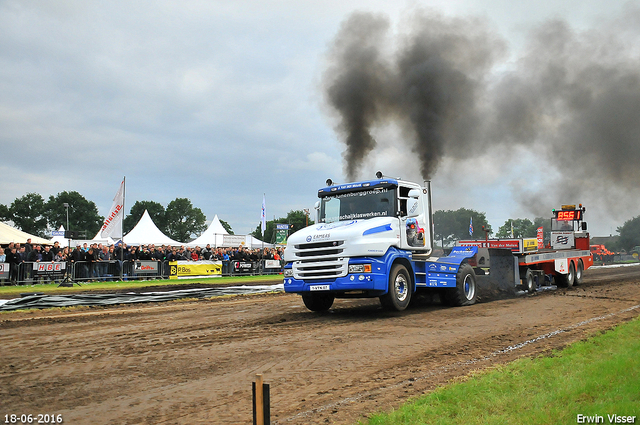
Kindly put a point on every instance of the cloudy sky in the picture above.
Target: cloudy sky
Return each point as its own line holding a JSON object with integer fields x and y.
{"x": 222, "y": 101}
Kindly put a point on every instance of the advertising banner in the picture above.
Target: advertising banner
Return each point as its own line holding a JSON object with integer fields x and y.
{"x": 146, "y": 267}
{"x": 540, "y": 237}
{"x": 188, "y": 269}
{"x": 4, "y": 270}
{"x": 562, "y": 240}
{"x": 272, "y": 264}
{"x": 49, "y": 269}
{"x": 281, "y": 236}
{"x": 234, "y": 240}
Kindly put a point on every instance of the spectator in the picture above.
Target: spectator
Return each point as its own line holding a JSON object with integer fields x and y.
{"x": 78, "y": 257}
{"x": 14, "y": 266}
{"x": 35, "y": 256}
{"x": 104, "y": 256}
{"x": 47, "y": 255}
{"x": 91, "y": 258}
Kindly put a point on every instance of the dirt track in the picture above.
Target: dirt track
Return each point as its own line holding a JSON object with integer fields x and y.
{"x": 193, "y": 362}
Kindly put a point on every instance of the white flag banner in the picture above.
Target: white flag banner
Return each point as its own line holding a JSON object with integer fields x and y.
{"x": 263, "y": 216}
{"x": 113, "y": 222}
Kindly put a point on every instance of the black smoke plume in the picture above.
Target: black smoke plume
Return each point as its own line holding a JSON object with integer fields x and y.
{"x": 571, "y": 97}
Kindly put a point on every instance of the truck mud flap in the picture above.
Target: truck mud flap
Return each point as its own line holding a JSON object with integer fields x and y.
{"x": 503, "y": 275}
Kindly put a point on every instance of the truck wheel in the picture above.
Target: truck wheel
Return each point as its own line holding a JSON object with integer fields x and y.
{"x": 465, "y": 291}
{"x": 318, "y": 302}
{"x": 399, "y": 295}
{"x": 579, "y": 273}
{"x": 529, "y": 282}
{"x": 566, "y": 280}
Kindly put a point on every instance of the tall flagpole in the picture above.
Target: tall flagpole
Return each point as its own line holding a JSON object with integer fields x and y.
{"x": 124, "y": 192}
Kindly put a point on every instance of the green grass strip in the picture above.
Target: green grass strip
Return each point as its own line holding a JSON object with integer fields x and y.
{"x": 8, "y": 291}
{"x": 595, "y": 378}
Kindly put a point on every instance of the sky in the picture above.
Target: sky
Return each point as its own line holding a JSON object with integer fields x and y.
{"x": 222, "y": 102}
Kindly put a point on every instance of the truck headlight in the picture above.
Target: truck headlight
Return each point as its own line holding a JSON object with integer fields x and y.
{"x": 288, "y": 272}
{"x": 359, "y": 268}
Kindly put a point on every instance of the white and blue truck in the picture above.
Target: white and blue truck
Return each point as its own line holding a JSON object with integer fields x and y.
{"x": 374, "y": 239}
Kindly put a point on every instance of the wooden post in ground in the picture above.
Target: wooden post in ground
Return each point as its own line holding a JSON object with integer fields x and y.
{"x": 259, "y": 400}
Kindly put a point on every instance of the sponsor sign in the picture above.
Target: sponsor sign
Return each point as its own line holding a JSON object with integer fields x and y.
{"x": 562, "y": 240}
{"x": 540, "y": 237}
{"x": 49, "y": 267}
{"x": 4, "y": 270}
{"x": 282, "y": 226}
{"x": 183, "y": 269}
{"x": 530, "y": 244}
{"x": 233, "y": 240}
{"x": 281, "y": 235}
{"x": 271, "y": 264}
{"x": 146, "y": 267}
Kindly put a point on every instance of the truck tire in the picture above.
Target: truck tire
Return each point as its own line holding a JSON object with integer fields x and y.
{"x": 579, "y": 273}
{"x": 465, "y": 291}
{"x": 318, "y": 302}
{"x": 529, "y": 282}
{"x": 566, "y": 280}
{"x": 398, "y": 296}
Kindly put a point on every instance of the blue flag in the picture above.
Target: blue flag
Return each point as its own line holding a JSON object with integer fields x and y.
{"x": 471, "y": 226}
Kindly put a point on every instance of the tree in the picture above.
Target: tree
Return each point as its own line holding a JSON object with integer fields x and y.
{"x": 630, "y": 234}
{"x": 296, "y": 219}
{"x": 226, "y": 226}
{"x": 4, "y": 213}
{"x": 27, "y": 214}
{"x": 454, "y": 225}
{"x": 156, "y": 212}
{"x": 83, "y": 214}
{"x": 183, "y": 220}
{"x": 522, "y": 228}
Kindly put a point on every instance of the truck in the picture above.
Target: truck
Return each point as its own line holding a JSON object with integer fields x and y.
{"x": 374, "y": 239}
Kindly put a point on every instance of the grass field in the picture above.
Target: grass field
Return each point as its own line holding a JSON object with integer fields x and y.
{"x": 597, "y": 378}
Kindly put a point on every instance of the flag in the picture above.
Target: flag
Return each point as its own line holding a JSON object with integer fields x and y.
{"x": 263, "y": 216}
{"x": 471, "y": 226}
{"x": 113, "y": 223}
{"x": 540, "y": 235}
{"x": 512, "y": 228}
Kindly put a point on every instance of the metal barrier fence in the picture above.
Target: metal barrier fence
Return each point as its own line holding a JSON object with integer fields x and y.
{"x": 30, "y": 273}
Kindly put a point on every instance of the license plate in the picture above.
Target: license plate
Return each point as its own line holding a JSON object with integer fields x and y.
{"x": 319, "y": 288}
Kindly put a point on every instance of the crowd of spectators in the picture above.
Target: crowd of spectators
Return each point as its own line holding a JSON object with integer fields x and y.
{"x": 96, "y": 257}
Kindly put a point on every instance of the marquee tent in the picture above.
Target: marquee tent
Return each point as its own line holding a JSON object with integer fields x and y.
{"x": 146, "y": 232}
{"x": 212, "y": 236}
{"x": 60, "y": 238}
{"x": 11, "y": 234}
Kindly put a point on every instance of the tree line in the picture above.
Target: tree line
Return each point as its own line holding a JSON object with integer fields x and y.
{"x": 182, "y": 221}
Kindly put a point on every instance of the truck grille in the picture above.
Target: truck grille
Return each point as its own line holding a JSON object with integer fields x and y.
{"x": 319, "y": 260}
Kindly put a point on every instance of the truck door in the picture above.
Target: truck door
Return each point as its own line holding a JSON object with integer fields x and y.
{"x": 412, "y": 220}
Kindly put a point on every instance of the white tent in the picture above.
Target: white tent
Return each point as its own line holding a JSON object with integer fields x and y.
{"x": 146, "y": 232}
{"x": 11, "y": 234}
{"x": 60, "y": 238}
{"x": 212, "y": 236}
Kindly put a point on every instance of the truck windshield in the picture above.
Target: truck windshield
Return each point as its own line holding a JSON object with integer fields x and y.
{"x": 362, "y": 204}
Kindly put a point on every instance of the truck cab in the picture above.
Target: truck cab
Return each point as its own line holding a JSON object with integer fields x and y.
{"x": 371, "y": 239}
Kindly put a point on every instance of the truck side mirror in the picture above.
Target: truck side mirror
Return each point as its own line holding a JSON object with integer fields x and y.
{"x": 584, "y": 226}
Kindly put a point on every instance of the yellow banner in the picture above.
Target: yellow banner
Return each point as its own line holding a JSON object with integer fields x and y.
{"x": 182, "y": 269}
{"x": 530, "y": 244}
